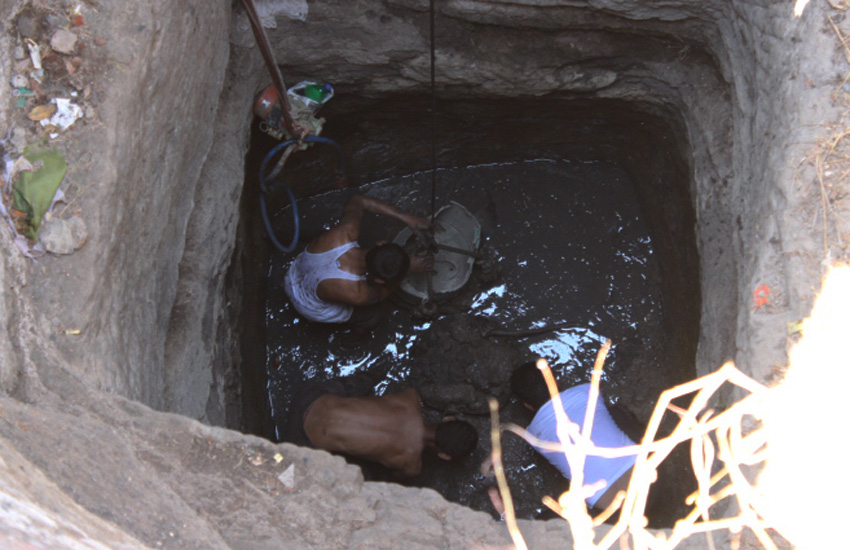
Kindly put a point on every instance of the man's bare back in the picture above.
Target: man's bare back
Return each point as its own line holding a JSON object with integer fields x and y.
{"x": 387, "y": 429}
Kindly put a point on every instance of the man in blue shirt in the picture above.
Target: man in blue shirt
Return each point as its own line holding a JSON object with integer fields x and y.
{"x": 529, "y": 386}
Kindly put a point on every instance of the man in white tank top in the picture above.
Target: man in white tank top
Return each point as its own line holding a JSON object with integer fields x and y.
{"x": 333, "y": 275}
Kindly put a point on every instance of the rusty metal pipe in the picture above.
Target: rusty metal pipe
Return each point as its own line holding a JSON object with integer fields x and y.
{"x": 268, "y": 56}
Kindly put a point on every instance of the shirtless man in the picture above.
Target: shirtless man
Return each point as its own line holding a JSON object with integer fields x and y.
{"x": 334, "y": 279}
{"x": 339, "y": 416}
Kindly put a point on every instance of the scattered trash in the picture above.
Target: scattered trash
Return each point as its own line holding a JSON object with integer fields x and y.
{"x": 761, "y": 296}
{"x": 310, "y": 94}
{"x": 288, "y": 477}
{"x": 32, "y": 252}
{"x": 42, "y": 112}
{"x": 278, "y": 458}
{"x": 254, "y": 457}
{"x": 35, "y": 54}
{"x": 256, "y": 460}
{"x": 65, "y": 115}
{"x": 14, "y": 217}
{"x": 34, "y": 191}
{"x": 63, "y": 41}
{"x": 21, "y": 164}
{"x": 51, "y": 85}
{"x": 20, "y": 81}
{"x": 16, "y": 144}
{"x": 37, "y": 76}
{"x": 71, "y": 65}
{"x": 22, "y": 92}
{"x": 72, "y": 331}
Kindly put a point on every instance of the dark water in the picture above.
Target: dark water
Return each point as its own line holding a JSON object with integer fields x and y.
{"x": 569, "y": 248}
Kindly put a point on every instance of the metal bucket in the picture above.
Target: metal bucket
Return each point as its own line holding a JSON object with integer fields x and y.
{"x": 459, "y": 230}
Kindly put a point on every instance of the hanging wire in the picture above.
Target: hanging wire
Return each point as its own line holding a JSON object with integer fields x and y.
{"x": 433, "y": 119}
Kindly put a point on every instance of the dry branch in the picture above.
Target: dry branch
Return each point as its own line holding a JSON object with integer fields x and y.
{"x": 715, "y": 437}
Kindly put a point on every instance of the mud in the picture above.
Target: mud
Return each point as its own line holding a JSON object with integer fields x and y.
{"x": 563, "y": 245}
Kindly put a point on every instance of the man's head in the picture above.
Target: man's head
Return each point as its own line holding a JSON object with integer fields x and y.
{"x": 386, "y": 263}
{"x": 528, "y": 384}
{"x": 454, "y": 439}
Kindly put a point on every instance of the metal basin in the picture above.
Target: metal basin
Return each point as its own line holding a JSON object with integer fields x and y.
{"x": 459, "y": 230}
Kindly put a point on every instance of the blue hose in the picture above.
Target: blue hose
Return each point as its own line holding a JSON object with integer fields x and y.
{"x": 265, "y": 189}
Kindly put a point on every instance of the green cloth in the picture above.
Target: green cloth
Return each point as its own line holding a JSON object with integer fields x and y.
{"x": 34, "y": 191}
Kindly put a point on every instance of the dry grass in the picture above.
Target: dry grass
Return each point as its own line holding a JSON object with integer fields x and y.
{"x": 831, "y": 161}
{"x": 722, "y": 455}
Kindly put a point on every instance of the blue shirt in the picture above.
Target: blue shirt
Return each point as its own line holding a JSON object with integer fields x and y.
{"x": 605, "y": 433}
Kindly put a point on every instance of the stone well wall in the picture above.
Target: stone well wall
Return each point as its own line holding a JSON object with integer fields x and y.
{"x": 143, "y": 316}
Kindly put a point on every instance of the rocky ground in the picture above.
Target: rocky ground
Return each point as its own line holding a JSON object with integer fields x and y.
{"x": 86, "y": 459}
{"x": 59, "y": 77}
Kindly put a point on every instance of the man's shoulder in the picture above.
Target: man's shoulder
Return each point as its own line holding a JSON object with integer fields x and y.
{"x": 325, "y": 403}
{"x": 404, "y": 406}
{"x": 408, "y": 395}
{"x": 332, "y": 238}
{"x": 332, "y": 408}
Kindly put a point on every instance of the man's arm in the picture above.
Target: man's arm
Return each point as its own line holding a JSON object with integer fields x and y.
{"x": 352, "y": 215}
{"x": 348, "y": 228}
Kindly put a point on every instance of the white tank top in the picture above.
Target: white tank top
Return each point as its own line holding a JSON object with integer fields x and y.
{"x": 302, "y": 281}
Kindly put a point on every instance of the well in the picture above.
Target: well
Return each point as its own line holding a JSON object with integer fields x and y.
{"x": 146, "y": 316}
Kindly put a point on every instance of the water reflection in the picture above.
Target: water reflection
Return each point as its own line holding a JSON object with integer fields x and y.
{"x": 485, "y": 303}
{"x": 563, "y": 350}
{"x": 570, "y": 254}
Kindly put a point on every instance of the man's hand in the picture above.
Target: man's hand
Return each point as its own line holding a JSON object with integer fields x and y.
{"x": 418, "y": 224}
{"x": 421, "y": 263}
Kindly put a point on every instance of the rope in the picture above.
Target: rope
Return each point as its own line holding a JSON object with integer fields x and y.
{"x": 522, "y": 333}
{"x": 456, "y": 250}
{"x": 427, "y": 306}
{"x": 433, "y": 117}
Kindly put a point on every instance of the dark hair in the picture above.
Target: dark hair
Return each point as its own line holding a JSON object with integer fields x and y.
{"x": 528, "y": 384}
{"x": 456, "y": 438}
{"x": 387, "y": 261}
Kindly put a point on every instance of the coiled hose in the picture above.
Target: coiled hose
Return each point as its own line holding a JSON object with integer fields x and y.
{"x": 266, "y": 188}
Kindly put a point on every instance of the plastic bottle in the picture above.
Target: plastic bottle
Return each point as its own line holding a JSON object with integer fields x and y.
{"x": 316, "y": 92}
